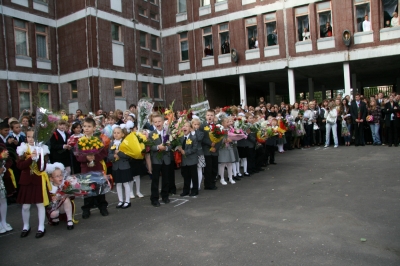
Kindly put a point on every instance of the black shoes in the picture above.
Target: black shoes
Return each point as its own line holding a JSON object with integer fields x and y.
{"x": 272, "y": 163}
{"x": 85, "y": 214}
{"x": 166, "y": 201}
{"x": 184, "y": 194}
{"x": 211, "y": 188}
{"x": 70, "y": 227}
{"x": 126, "y": 205}
{"x": 156, "y": 203}
{"x": 40, "y": 234}
{"x": 25, "y": 232}
{"x": 120, "y": 204}
{"x": 236, "y": 178}
{"x": 193, "y": 194}
{"x": 246, "y": 174}
{"x": 104, "y": 212}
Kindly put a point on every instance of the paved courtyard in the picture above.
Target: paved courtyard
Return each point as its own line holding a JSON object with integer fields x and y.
{"x": 312, "y": 208}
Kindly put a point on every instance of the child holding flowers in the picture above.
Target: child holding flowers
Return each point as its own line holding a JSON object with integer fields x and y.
{"x": 7, "y": 188}
{"x": 120, "y": 169}
{"x": 91, "y": 160}
{"x": 33, "y": 184}
{"x": 226, "y": 157}
{"x": 201, "y": 163}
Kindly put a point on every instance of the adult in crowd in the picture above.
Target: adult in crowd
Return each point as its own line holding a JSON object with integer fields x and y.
{"x": 391, "y": 109}
{"x": 358, "y": 111}
{"x": 331, "y": 117}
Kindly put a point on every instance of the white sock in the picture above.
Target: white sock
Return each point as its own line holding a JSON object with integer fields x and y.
{"x": 234, "y": 169}
{"x": 41, "y": 216}
{"x": 127, "y": 192}
{"x": 221, "y": 170}
{"x": 54, "y": 216}
{"x": 200, "y": 175}
{"x": 131, "y": 187}
{"x": 68, "y": 210}
{"x": 229, "y": 168}
{"x": 136, "y": 179}
{"x": 237, "y": 165}
{"x": 119, "y": 192}
{"x": 244, "y": 161}
{"x": 25, "y": 215}
{"x": 280, "y": 147}
{"x": 3, "y": 211}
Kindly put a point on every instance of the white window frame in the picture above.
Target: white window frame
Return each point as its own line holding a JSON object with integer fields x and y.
{"x": 323, "y": 11}
{"x": 358, "y": 3}
{"x": 249, "y": 23}
{"x": 178, "y": 6}
{"x": 48, "y": 92}
{"x": 16, "y": 28}
{"x": 269, "y": 19}
{"x": 119, "y": 32}
{"x": 205, "y": 35}
{"x": 24, "y": 90}
{"x": 181, "y": 40}
{"x": 298, "y": 14}
{"x": 220, "y": 32}
{"x": 46, "y": 35}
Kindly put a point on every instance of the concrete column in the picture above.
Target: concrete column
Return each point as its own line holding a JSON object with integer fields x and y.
{"x": 292, "y": 89}
{"x": 242, "y": 85}
{"x": 323, "y": 92}
{"x": 310, "y": 89}
{"x": 354, "y": 83}
{"x": 272, "y": 92}
{"x": 347, "y": 82}
{"x": 360, "y": 88}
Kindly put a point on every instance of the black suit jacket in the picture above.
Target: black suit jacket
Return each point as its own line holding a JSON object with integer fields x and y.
{"x": 389, "y": 110}
{"x": 57, "y": 153}
{"x": 12, "y": 145}
{"x": 354, "y": 111}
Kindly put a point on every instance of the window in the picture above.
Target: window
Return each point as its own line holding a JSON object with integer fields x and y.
{"x": 389, "y": 8}
{"x": 184, "y": 46}
{"x": 156, "y": 63}
{"x": 21, "y": 37}
{"x": 44, "y": 95}
{"x": 142, "y": 11}
{"x": 118, "y": 88}
{"x": 362, "y": 13}
{"x": 145, "y": 89}
{"x": 154, "y": 43}
{"x": 251, "y": 30}
{"x": 144, "y": 61}
{"x": 207, "y": 42}
{"x": 270, "y": 29}
{"x": 181, "y": 6}
{"x": 325, "y": 19}
{"x": 24, "y": 95}
{"x": 157, "y": 91}
{"x": 153, "y": 2}
{"x": 224, "y": 38}
{"x": 74, "y": 89}
{"x": 41, "y": 41}
{"x": 115, "y": 32}
{"x": 205, "y": 2}
{"x": 302, "y": 24}
{"x": 154, "y": 16}
{"x": 143, "y": 41}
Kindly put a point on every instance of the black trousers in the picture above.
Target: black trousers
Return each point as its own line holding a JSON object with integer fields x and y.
{"x": 251, "y": 160}
{"x": 358, "y": 133}
{"x": 155, "y": 181}
{"x": 171, "y": 177}
{"x": 90, "y": 202}
{"x": 270, "y": 150}
{"x": 210, "y": 171}
{"x": 392, "y": 134}
{"x": 189, "y": 173}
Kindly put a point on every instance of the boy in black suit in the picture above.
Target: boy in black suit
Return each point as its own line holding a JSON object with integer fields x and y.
{"x": 59, "y": 149}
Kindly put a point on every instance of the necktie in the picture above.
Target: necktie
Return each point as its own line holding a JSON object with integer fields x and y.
{"x": 184, "y": 143}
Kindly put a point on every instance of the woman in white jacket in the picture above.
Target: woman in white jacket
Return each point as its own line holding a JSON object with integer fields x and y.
{"x": 330, "y": 117}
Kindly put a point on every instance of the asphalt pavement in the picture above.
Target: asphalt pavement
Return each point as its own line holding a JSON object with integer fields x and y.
{"x": 315, "y": 207}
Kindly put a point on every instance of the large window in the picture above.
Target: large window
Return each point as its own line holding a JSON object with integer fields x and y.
{"x": 154, "y": 43}
{"x": 21, "y": 37}
{"x": 207, "y": 41}
{"x": 115, "y": 32}
{"x": 325, "y": 19}
{"x": 142, "y": 11}
{"x": 41, "y": 41}
{"x": 302, "y": 24}
{"x": 183, "y": 39}
{"x": 390, "y": 13}
{"x": 143, "y": 39}
{"x": 181, "y": 6}
{"x": 44, "y": 95}
{"x": 270, "y": 29}
{"x": 118, "y": 88}
{"x": 205, "y": 2}
{"x": 145, "y": 89}
{"x": 25, "y": 96}
{"x": 362, "y": 15}
{"x": 157, "y": 91}
{"x": 224, "y": 38}
{"x": 74, "y": 89}
{"x": 251, "y": 31}
{"x": 144, "y": 61}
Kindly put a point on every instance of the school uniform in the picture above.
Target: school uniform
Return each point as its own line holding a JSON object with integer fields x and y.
{"x": 251, "y": 158}
{"x": 201, "y": 162}
{"x": 270, "y": 145}
{"x": 189, "y": 165}
{"x": 211, "y": 158}
{"x": 57, "y": 151}
{"x": 160, "y": 161}
{"x": 121, "y": 169}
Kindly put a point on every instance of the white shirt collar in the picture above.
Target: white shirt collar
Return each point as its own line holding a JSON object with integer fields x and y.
{"x": 4, "y": 138}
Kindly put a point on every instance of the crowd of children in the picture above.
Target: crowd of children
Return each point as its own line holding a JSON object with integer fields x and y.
{"x": 35, "y": 175}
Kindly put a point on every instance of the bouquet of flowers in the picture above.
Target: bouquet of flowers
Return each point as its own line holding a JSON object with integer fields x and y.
{"x": 254, "y": 128}
{"x": 369, "y": 118}
{"x": 236, "y": 134}
{"x": 45, "y": 124}
{"x": 88, "y": 145}
{"x": 174, "y": 132}
{"x": 227, "y": 110}
{"x": 216, "y": 134}
{"x": 240, "y": 123}
{"x": 87, "y": 185}
{"x": 145, "y": 107}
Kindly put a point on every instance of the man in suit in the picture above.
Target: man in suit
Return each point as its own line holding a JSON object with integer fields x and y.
{"x": 391, "y": 109}
{"x": 358, "y": 111}
{"x": 160, "y": 161}
{"x": 59, "y": 149}
{"x": 189, "y": 162}
{"x": 210, "y": 150}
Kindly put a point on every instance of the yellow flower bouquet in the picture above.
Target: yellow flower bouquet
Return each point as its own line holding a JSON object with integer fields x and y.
{"x": 88, "y": 145}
